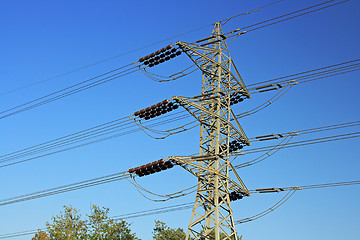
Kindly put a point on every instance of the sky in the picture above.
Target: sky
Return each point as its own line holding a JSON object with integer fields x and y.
{"x": 44, "y": 39}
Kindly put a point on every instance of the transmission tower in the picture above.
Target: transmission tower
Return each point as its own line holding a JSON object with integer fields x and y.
{"x": 222, "y": 87}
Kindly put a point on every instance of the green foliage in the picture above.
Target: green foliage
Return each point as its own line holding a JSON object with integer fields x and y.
{"x": 102, "y": 227}
{"x": 163, "y": 232}
{"x": 40, "y": 235}
{"x": 69, "y": 226}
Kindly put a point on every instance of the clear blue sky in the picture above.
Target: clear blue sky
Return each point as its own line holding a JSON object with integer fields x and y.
{"x": 40, "y": 39}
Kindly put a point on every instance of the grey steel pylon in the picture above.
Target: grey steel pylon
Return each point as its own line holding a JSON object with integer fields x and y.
{"x": 212, "y": 215}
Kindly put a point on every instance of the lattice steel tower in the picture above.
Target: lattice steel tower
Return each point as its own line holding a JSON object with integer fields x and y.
{"x": 220, "y": 135}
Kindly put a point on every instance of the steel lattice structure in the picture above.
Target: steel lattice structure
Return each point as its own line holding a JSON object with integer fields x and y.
{"x": 212, "y": 214}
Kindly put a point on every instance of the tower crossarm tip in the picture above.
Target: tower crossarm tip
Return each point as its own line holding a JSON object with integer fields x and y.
{"x": 201, "y": 167}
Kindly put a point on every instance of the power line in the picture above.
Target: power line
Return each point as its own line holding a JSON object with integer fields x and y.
{"x": 131, "y": 51}
{"x": 306, "y": 75}
{"x": 76, "y": 88}
{"x": 235, "y": 33}
{"x": 66, "y": 142}
{"x": 123, "y": 124}
{"x": 35, "y": 102}
{"x": 184, "y": 206}
{"x": 122, "y": 175}
{"x": 302, "y": 143}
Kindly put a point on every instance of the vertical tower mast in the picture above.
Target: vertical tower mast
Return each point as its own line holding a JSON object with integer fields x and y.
{"x": 212, "y": 215}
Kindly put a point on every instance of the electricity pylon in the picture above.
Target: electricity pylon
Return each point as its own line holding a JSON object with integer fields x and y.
{"x": 222, "y": 86}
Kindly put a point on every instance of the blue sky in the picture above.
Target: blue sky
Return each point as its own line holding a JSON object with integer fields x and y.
{"x": 41, "y": 39}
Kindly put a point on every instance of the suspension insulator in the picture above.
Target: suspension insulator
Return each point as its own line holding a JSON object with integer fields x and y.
{"x": 172, "y": 55}
{"x": 156, "y": 62}
{"x": 151, "y": 60}
{"x": 146, "y": 57}
{"x": 152, "y": 55}
{"x": 157, "y": 58}
{"x": 168, "y": 47}
{"x": 164, "y": 101}
{"x": 146, "y": 62}
{"x": 147, "y": 118}
{"x": 155, "y": 166}
{"x": 162, "y": 55}
{"x": 170, "y": 104}
{"x": 131, "y": 170}
{"x": 178, "y": 53}
{"x": 158, "y": 113}
{"x": 236, "y": 101}
{"x": 167, "y": 58}
{"x": 175, "y": 106}
{"x": 167, "y": 53}
{"x": 239, "y": 196}
{"x": 151, "y": 65}
{"x": 140, "y": 174}
{"x": 173, "y": 50}
{"x": 162, "y": 60}
{"x": 150, "y": 169}
{"x": 163, "y": 111}
{"x": 141, "y": 59}
{"x": 169, "y": 165}
{"x": 163, "y": 49}
{"x": 169, "y": 109}
{"x": 157, "y": 52}
{"x": 136, "y": 113}
{"x": 240, "y": 100}
{"x": 163, "y": 167}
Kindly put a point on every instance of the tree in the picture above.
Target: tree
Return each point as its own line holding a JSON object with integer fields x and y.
{"x": 163, "y": 232}
{"x": 40, "y": 235}
{"x": 103, "y": 227}
{"x": 68, "y": 225}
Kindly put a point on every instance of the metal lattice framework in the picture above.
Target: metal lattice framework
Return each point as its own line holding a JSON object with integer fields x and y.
{"x": 212, "y": 217}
